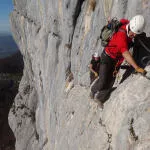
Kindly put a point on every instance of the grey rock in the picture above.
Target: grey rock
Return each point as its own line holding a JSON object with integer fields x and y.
{"x": 57, "y": 38}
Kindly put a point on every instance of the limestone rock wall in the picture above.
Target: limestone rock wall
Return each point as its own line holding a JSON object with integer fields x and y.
{"x": 57, "y": 39}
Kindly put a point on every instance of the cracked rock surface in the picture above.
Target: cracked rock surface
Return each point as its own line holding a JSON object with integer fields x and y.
{"x": 52, "y": 109}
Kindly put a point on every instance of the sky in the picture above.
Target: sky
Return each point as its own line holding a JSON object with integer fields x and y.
{"x": 6, "y": 7}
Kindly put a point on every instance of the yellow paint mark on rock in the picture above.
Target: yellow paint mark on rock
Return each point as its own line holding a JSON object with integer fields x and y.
{"x": 40, "y": 7}
{"x": 22, "y": 20}
{"x": 92, "y": 5}
{"x": 60, "y": 7}
{"x": 87, "y": 24}
{"x": 88, "y": 16}
{"x": 107, "y": 7}
{"x": 148, "y": 110}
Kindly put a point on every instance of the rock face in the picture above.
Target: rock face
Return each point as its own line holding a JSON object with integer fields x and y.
{"x": 57, "y": 39}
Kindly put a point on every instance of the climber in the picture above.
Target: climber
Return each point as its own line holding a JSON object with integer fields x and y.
{"x": 94, "y": 67}
{"x": 114, "y": 53}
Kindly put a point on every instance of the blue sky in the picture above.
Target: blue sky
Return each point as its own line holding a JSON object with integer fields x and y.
{"x": 6, "y": 8}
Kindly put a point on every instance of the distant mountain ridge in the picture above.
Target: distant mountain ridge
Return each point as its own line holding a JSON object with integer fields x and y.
{"x": 12, "y": 64}
{"x": 7, "y": 45}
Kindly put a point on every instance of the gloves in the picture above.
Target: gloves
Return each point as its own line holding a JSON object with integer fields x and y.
{"x": 141, "y": 70}
{"x": 96, "y": 74}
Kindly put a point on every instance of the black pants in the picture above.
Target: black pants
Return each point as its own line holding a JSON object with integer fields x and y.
{"x": 103, "y": 86}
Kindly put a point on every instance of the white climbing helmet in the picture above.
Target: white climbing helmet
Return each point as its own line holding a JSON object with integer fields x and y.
{"x": 95, "y": 55}
{"x": 137, "y": 24}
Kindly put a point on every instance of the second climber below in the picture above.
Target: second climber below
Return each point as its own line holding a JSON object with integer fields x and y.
{"x": 94, "y": 67}
{"x": 116, "y": 50}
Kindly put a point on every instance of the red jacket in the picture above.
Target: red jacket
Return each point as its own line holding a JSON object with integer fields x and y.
{"x": 119, "y": 43}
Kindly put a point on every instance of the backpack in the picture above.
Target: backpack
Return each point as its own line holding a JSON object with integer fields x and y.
{"x": 108, "y": 30}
